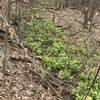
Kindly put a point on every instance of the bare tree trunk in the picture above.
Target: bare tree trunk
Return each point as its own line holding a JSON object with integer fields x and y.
{"x": 5, "y": 51}
{"x": 66, "y": 3}
{"x": 85, "y": 23}
{"x": 91, "y": 14}
{"x": 8, "y": 10}
{"x": 19, "y": 19}
{"x": 86, "y": 13}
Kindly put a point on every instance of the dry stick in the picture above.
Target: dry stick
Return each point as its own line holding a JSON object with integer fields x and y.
{"x": 59, "y": 81}
{"x": 47, "y": 73}
{"x": 50, "y": 85}
{"x": 93, "y": 82}
{"x": 85, "y": 97}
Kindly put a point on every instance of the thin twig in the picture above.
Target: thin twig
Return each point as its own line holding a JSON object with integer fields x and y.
{"x": 93, "y": 82}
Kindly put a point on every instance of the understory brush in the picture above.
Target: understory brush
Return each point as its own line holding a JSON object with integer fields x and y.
{"x": 44, "y": 39}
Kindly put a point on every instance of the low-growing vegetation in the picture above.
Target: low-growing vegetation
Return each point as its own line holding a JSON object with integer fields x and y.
{"x": 49, "y": 49}
{"x": 44, "y": 39}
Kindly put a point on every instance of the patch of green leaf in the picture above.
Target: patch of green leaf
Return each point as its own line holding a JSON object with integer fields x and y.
{"x": 44, "y": 39}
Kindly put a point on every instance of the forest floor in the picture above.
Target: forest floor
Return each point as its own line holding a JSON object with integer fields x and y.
{"x": 23, "y": 77}
{"x": 72, "y": 20}
{"x": 74, "y": 35}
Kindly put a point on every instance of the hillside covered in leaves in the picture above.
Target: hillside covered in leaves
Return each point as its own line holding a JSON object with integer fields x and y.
{"x": 49, "y": 52}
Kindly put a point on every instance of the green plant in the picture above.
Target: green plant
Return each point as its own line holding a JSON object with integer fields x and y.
{"x": 64, "y": 74}
{"x": 85, "y": 81}
{"x": 79, "y": 50}
{"x": 45, "y": 40}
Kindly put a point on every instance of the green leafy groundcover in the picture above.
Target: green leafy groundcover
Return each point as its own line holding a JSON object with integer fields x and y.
{"x": 45, "y": 40}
